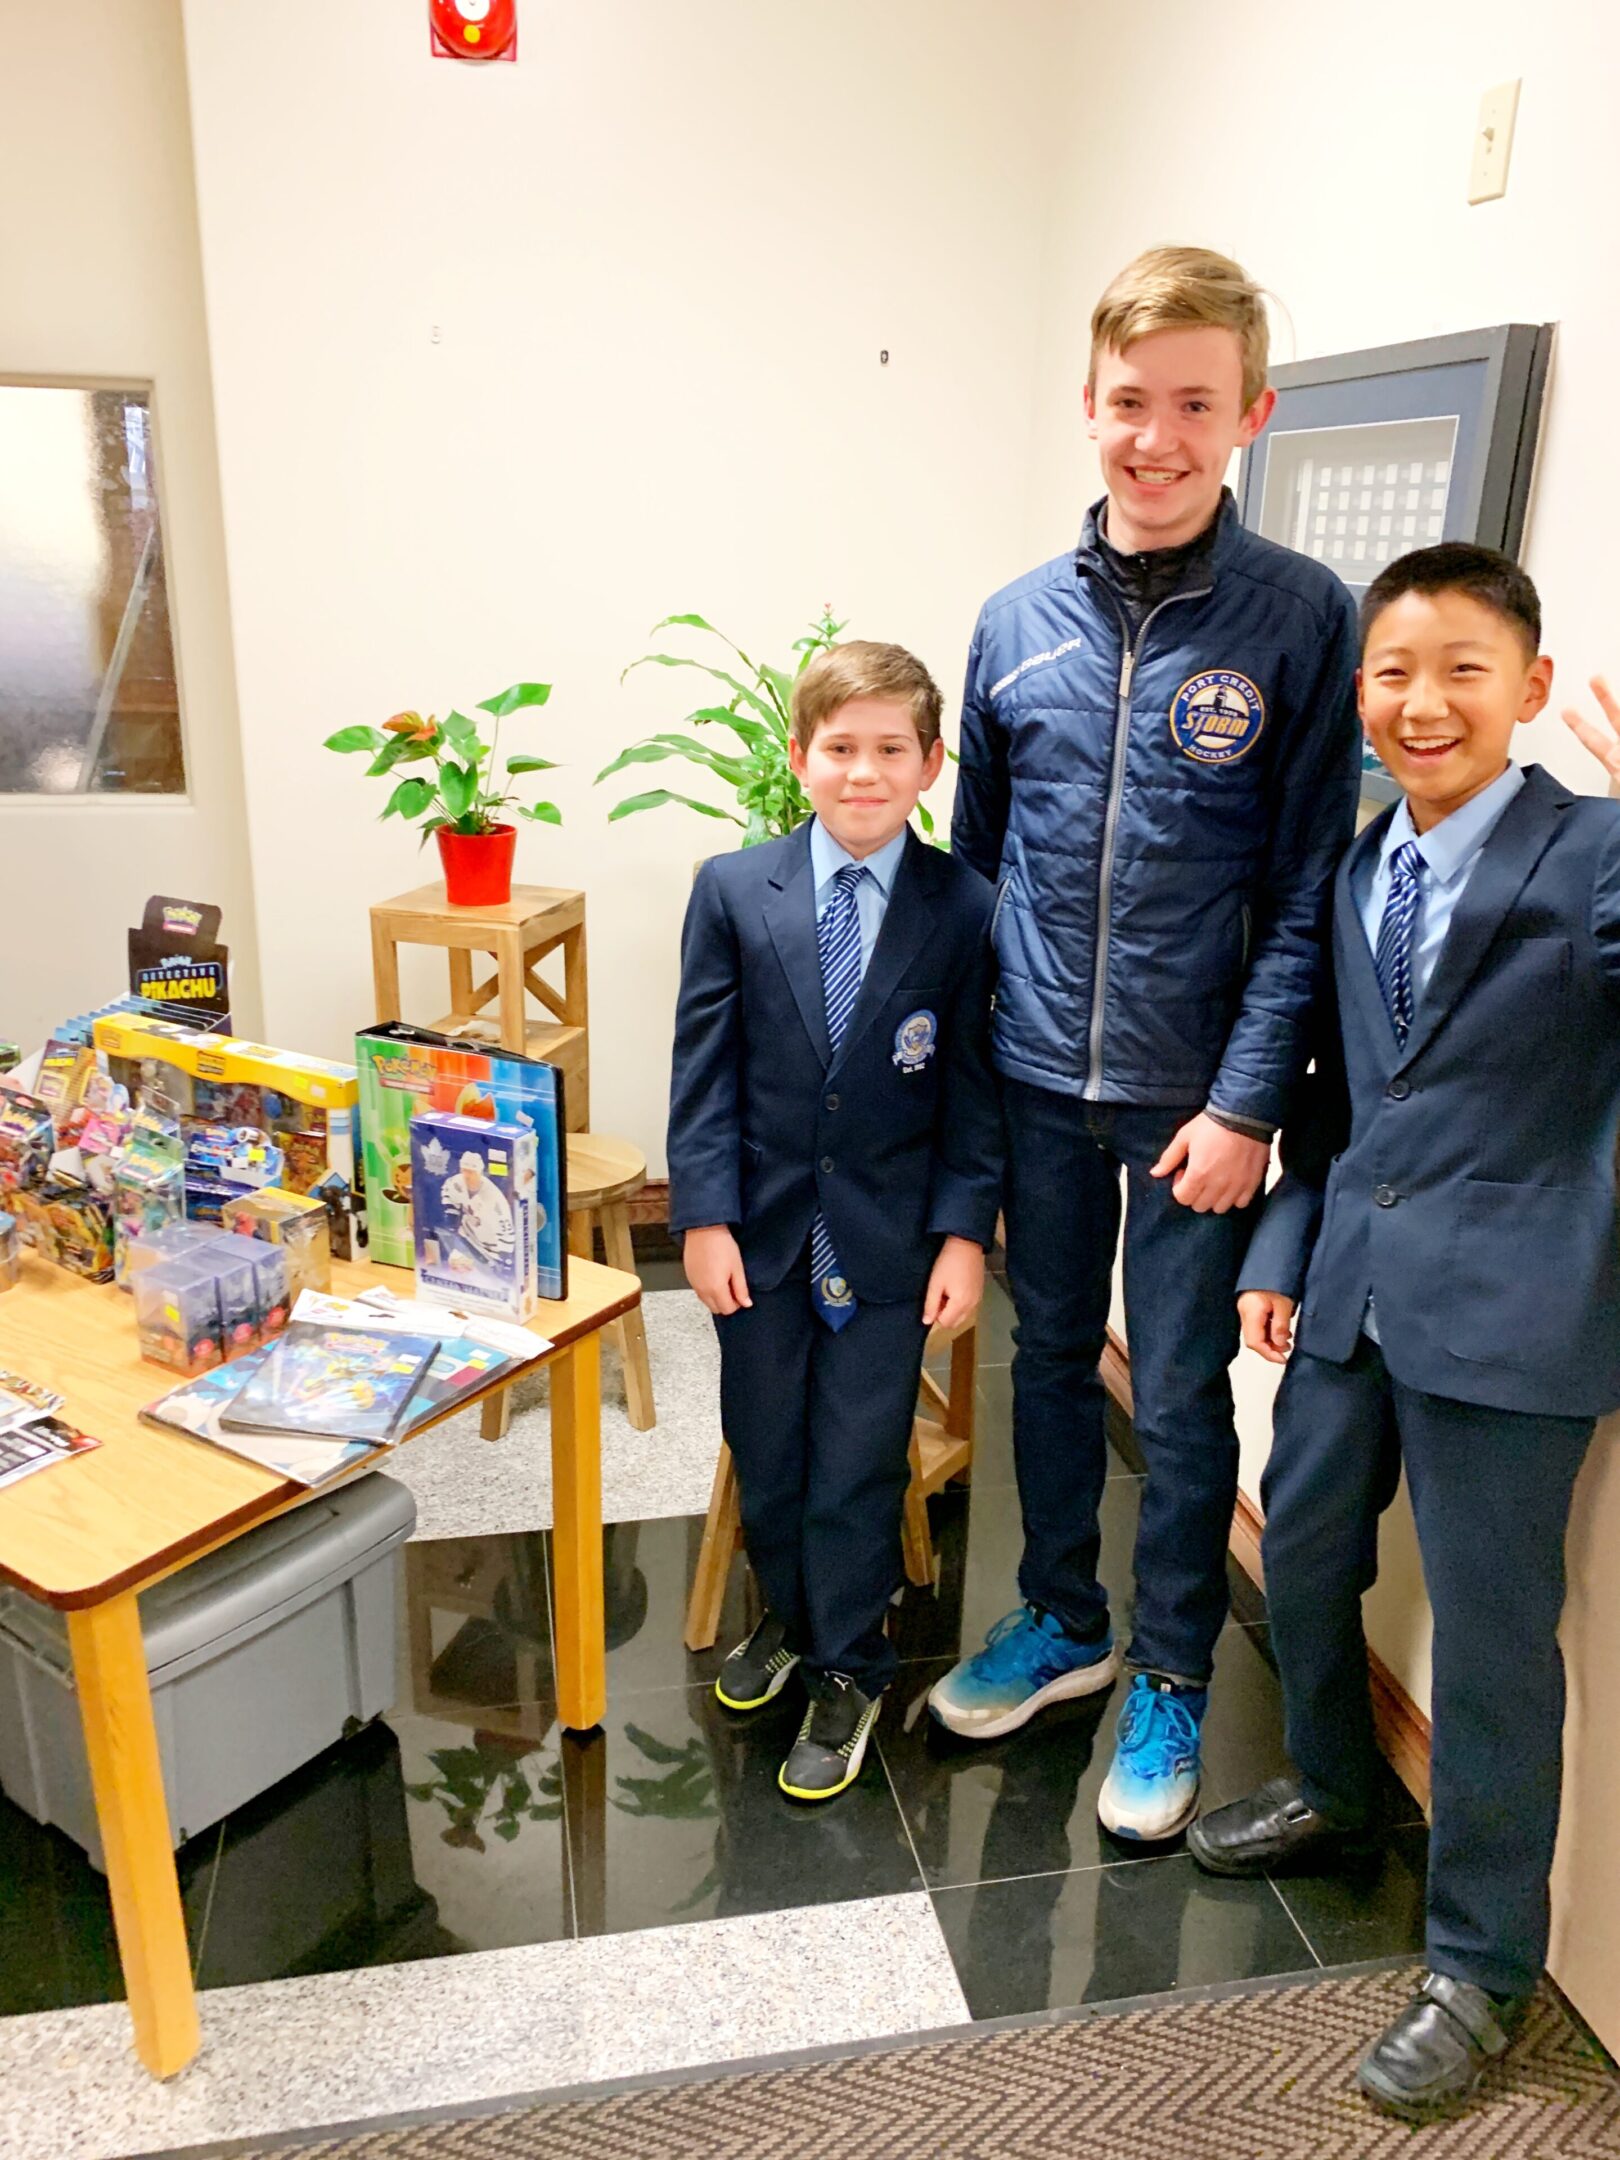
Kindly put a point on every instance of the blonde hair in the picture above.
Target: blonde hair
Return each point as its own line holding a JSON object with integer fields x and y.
{"x": 1179, "y": 288}
{"x": 862, "y": 669}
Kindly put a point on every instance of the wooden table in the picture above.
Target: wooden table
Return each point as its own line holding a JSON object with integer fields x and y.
{"x": 88, "y": 1535}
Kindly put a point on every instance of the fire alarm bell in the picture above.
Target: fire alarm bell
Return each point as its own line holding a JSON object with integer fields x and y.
{"x": 474, "y": 29}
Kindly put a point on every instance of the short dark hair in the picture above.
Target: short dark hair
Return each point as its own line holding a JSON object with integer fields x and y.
{"x": 1494, "y": 580}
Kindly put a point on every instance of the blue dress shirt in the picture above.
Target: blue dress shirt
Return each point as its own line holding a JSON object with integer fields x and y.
{"x": 1447, "y": 854}
{"x": 827, "y": 858}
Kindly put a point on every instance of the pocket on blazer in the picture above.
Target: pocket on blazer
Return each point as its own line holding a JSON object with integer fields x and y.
{"x": 1528, "y": 1266}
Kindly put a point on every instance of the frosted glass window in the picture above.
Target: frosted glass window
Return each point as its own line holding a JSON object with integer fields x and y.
{"x": 1305, "y": 494}
{"x": 89, "y": 703}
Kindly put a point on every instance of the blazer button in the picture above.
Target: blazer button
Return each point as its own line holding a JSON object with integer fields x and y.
{"x": 1399, "y": 1090}
{"x": 826, "y": 1165}
{"x": 1386, "y": 1196}
{"x": 832, "y": 1102}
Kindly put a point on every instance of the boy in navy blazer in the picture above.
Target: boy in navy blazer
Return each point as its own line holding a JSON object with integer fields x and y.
{"x": 835, "y": 1167}
{"x": 1451, "y": 1186}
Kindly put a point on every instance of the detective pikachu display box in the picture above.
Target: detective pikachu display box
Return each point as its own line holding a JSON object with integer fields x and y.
{"x": 404, "y": 1071}
{"x": 473, "y": 1195}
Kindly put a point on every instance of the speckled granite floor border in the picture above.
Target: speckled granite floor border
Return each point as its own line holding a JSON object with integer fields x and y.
{"x": 339, "y": 2047}
{"x": 467, "y": 1486}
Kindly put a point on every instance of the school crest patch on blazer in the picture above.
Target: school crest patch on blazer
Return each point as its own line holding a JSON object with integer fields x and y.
{"x": 915, "y": 1041}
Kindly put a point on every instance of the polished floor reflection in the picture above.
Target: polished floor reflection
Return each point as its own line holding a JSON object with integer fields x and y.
{"x": 465, "y": 1821}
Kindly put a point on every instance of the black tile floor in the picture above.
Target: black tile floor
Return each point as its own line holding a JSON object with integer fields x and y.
{"x": 464, "y": 1820}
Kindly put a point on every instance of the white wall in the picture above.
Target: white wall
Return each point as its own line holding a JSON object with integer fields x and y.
{"x": 1337, "y": 176}
{"x": 101, "y": 277}
{"x": 662, "y": 252}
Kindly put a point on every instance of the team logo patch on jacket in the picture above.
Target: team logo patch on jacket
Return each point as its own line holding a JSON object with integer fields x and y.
{"x": 1217, "y": 717}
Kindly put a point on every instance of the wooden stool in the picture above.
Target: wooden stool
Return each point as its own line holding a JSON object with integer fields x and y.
{"x": 941, "y": 1448}
{"x": 602, "y": 1175}
{"x": 535, "y": 921}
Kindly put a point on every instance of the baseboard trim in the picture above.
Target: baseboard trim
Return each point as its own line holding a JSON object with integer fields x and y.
{"x": 1403, "y": 1730}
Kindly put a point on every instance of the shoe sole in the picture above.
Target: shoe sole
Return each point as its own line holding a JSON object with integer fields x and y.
{"x": 1146, "y": 1837}
{"x": 1086, "y": 1680}
{"x": 830, "y": 1792}
{"x": 757, "y": 1702}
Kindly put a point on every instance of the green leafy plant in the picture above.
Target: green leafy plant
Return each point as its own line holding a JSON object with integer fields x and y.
{"x": 468, "y": 791}
{"x": 770, "y": 801}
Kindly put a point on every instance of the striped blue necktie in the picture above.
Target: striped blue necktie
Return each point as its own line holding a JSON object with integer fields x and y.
{"x": 1393, "y": 958}
{"x": 838, "y": 934}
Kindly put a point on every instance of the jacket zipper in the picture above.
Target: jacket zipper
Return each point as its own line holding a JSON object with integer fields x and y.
{"x": 1116, "y": 791}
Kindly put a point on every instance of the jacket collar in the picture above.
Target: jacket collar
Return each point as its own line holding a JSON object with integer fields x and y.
{"x": 790, "y": 917}
{"x": 1205, "y": 556}
{"x": 1516, "y": 844}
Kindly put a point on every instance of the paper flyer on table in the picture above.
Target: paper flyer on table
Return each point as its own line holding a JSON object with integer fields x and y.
{"x": 415, "y": 1316}
{"x": 35, "y": 1445}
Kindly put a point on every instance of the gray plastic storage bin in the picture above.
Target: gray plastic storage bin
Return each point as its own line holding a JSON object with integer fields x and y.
{"x": 260, "y": 1655}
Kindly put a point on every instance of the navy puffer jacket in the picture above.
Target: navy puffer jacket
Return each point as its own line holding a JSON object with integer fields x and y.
{"x": 1162, "y": 820}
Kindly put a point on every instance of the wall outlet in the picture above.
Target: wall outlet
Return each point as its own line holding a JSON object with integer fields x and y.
{"x": 1493, "y": 143}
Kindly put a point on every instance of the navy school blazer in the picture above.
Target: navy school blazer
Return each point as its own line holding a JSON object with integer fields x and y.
{"x": 1467, "y": 1182}
{"x": 897, "y": 1138}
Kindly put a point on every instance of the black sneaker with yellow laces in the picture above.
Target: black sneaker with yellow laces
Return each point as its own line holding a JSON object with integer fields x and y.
{"x": 758, "y": 1668}
{"x": 827, "y": 1755}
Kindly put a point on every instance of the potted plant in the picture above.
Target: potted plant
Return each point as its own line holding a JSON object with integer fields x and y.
{"x": 770, "y": 801}
{"x": 460, "y": 805}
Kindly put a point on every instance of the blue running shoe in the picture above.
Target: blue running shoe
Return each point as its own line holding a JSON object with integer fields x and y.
{"x": 1152, "y": 1790}
{"x": 1027, "y": 1662}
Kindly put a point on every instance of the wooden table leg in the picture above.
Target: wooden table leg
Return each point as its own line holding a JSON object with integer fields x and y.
{"x": 495, "y": 1418}
{"x": 115, "y": 1703}
{"x": 576, "y": 1539}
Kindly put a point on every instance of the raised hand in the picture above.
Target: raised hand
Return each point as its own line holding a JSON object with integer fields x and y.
{"x": 1601, "y": 737}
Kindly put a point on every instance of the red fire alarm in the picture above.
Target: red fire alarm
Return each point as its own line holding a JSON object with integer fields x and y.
{"x": 474, "y": 29}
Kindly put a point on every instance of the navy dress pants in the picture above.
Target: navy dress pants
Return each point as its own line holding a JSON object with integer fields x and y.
{"x": 819, "y": 1425}
{"x": 1064, "y": 1160}
{"x": 1491, "y": 1494}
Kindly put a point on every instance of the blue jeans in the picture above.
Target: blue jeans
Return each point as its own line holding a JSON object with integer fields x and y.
{"x": 1063, "y": 1210}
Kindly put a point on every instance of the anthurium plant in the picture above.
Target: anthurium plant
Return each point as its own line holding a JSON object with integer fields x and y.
{"x": 468, "y": 791}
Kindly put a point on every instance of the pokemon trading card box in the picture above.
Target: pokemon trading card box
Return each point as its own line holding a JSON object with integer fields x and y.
{"x": 405, "y": 1070}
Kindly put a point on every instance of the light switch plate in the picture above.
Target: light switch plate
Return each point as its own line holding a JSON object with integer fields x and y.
{"x": 1493, "y": 143}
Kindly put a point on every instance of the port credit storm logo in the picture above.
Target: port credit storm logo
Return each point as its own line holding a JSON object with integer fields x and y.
{"x": 1217, "y": 717}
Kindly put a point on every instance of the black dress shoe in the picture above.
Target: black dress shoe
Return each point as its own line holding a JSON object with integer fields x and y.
{"x": 1431, "y": 2059}
{"x": 1274, "y": 1828}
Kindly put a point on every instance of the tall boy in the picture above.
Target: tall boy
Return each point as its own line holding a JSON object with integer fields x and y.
{"x": 835, "y": 1164}
{"x": 1453, "y": 1190}
{"x": 1158, "y": 767}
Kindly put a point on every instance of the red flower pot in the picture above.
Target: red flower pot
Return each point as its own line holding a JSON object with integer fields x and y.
{"x": 477, "y": 866}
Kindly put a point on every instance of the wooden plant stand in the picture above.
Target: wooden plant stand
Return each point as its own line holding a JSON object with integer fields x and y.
{"x": 537, "y": 920}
